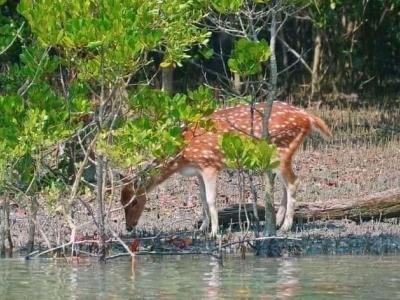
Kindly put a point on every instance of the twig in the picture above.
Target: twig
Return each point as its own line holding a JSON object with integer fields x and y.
{"x": 60, "y": 246}
{"x": 88, "y": 253}
{"x": 169, "y": 253}
{"x": 132, "y": 254}
{"x": 116, "y": 256}
{"x": 49, "y": 250}
{"x": 26, "y": 86}
{"x": 296, "y": 54}
{"x": 30, "y": 254}
{"x": 44, "y": 236}
{"x": 80, "y": 172}
{"x": 13, "y": 40}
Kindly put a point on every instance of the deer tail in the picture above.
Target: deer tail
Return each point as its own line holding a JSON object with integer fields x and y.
{"x": 320, "y": 126}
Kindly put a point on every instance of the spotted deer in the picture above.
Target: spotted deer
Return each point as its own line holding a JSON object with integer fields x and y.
{"x": 202, "y": 157}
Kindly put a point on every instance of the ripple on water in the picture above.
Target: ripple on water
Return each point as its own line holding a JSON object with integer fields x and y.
{"x": 201, "y": 277}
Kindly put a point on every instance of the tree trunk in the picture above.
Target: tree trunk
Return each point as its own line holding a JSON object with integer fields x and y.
{"x": 377, "y": 206}
{"x": 237, "y": 83}
{"x": 2, "y": 229}
{"x": 7, "y": 224}
{"x": 269, "y": 213}
{"x": 100, "y": 175}
{"x": 32, "y": 223}
{"x": 285, "y": 63}
{"x": 270, "y": 218}
{"x": 254, "y": 203}
{"x": 315, "y": 80}
{"x": 168, "y": 79}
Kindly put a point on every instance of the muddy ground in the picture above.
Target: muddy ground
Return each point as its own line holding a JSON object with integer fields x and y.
{"x": 362, "y": 158}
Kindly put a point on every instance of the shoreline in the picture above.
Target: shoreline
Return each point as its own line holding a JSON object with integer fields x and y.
{"x": 339, "y": 237}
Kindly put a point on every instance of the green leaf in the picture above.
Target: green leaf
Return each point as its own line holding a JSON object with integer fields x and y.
{"x": 247, "y": 56}
{"x": 166, "y": 64}
{"x": 227, "y": 6}
{"x": 112, "y": 37}
{"x": 94, "y": 44}
{"x": 207, "y": 53}
{"x": 244, "y": 152}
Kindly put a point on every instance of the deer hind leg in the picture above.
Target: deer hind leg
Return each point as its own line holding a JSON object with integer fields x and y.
{"x": 289, "y": 179}
{"x": 209, "y": 176}
{"x": 290, "y": 185}
{"x": 206, "y": 212}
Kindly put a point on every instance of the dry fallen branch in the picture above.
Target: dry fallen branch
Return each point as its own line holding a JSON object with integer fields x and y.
{"x": 376, "y": 206}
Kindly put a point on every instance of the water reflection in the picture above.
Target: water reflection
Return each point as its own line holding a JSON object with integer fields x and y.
{"x": 73, "y": 279}
{"x": 213, "y": 281}
{"x": 276, "y": 280}
{"x": 288, "y": 285}
{"x": 133, "y": 270}
{"x": 354, "y": 277}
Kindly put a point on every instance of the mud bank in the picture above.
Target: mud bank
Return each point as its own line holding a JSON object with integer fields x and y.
{"x": 338, "y": 237}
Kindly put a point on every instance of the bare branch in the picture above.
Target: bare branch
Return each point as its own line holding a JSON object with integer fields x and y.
{"x": 17, "y": 34}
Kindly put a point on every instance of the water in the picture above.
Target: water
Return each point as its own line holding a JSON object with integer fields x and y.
{"x": 200, "y": 277}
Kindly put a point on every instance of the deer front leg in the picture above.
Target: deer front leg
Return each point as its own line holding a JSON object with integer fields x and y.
{"x": 210, "y": 183}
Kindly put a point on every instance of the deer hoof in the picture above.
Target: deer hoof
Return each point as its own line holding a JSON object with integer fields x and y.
{"x": 204, "y": 227}
{"x": 213, "y": 235}
{"x": 287, "y": 225}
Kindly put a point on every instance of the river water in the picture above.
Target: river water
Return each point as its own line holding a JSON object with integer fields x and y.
{"x": 201, "y": 277}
